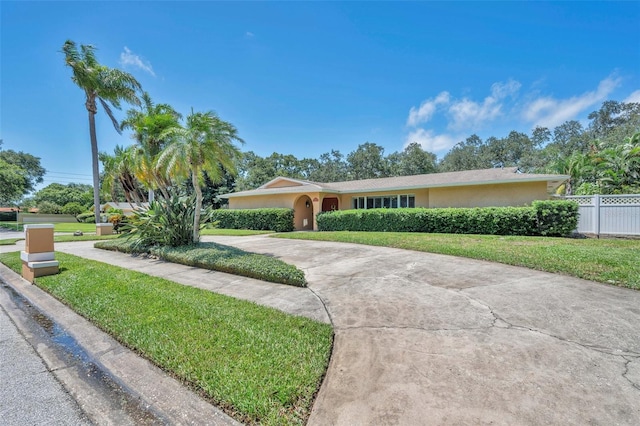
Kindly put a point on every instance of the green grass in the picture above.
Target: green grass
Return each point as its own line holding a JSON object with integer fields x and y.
{"x": 611, "y": 261}
{"x": 63, "y": 239}
{"x": 13, "y": 226}
{"x": 57, "y": 227}
{"x": 260, "y": 365}
{"x": 9, "y": 241}
{"x": 232, "y": 232}
{"x": 73, "y": 227}
{"x": 86, "y": 237}
{"x": 218, "y": 257}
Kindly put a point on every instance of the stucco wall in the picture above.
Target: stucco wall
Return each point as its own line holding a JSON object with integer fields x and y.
{"x": 264, "y": 201}
{"x": 512, "y": 194}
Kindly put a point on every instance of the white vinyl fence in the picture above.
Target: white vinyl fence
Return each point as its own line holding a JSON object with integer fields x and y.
{"x": 608, "y": 214}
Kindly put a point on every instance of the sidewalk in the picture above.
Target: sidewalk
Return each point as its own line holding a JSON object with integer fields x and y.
{"x": 30, "y": 393}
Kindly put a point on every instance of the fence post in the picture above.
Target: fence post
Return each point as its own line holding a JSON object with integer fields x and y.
{"x": 596, "y": 213}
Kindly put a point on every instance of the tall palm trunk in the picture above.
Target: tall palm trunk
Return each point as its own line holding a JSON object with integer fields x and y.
{"x": 94, "y": 160}
{"x": 196, "y": 216}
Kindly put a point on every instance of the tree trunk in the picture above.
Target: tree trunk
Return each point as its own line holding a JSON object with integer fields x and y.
{"x": 94, "y": 163}
{"x": 196, "y": 216}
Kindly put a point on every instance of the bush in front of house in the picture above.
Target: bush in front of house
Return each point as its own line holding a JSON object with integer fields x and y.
{"x": 543, "y": 218}
{"x": 87, "y": 217}
{"x": 556, "y": 218}
{"x": 9, "y": 216}
{"x": 267, "y": 219}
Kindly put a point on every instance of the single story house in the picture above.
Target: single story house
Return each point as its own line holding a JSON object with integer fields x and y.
{"x": 471, "y": 188}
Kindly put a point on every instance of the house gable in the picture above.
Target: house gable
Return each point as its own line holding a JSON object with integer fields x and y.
{"x": 283, "y": 182}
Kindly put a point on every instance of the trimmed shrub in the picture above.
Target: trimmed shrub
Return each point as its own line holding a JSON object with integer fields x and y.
{"x": 8, "y": 216}
{"x": 217, "y": 257}
{"x": 545, "y": 218}
{"x": 556, "y": 218}
{"x": 87, "y": 217}
{"x": 273, "y": 219}
{"x": 72, "y": 208}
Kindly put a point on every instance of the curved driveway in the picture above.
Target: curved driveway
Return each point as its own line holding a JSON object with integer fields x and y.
{"x": 430, "y": 339}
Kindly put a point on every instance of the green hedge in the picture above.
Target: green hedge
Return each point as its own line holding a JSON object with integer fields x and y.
{"x": 8, "y": 216}
{"x": 217, "y": 257}
{"x": 556, "y": 218}
{"x": 88, "y": 217}
{"x": 551, "y": 218}
{"x": 278, "y": 220}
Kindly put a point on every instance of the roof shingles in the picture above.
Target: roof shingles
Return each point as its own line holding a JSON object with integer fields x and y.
{"x": 467, "y": 177}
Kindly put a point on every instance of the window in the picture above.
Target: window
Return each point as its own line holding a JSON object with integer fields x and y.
{"x": 386, "y": 201}
{"x": 358, "y": 202}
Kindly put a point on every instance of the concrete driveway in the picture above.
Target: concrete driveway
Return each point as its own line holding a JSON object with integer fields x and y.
{"x": 429, "y": 339}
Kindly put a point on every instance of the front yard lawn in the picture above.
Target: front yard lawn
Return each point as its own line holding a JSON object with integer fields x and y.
{"x": 611, "y": 261}
{"x": 258, "y": 364}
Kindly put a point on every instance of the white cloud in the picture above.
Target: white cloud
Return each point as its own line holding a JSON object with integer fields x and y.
{"x": 426, "y": 110}
{"x": 468, "y": 114}
{"x": 430, "y": 141}
{"x": 128, "y": 58}
{"x": 248, "y": 34}
{"x": 634, "y": 97}
{"x": 550, "y": 112}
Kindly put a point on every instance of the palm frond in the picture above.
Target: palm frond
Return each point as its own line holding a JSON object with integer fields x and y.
{"x": 107, "y": 109}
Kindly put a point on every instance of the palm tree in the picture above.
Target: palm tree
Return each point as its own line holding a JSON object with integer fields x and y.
{"x": 118, "y": 170}
{"x": 205, "y": 144}
{"x": 148, "y": 123}
{"x": 576, "y": 166}
{"x": 107, "y": 85}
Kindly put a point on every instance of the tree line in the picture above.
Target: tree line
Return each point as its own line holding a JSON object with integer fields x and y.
{"x": 603, "y": 157}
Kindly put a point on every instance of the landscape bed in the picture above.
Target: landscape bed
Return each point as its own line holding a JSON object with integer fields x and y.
{"x": 258, "y": 364}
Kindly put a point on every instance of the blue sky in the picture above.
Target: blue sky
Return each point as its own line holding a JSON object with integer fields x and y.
{"x": 304, "y": 78}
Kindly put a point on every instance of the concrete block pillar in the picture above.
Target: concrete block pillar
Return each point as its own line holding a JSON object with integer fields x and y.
{"x": 104, "y": 228}
{"x": 38, "y": 257}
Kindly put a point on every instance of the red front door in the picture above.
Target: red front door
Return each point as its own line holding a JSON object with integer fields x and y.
{"x": 329, "y": 204}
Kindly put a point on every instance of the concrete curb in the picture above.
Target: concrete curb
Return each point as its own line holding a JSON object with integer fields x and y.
{"x": 120, "y": 386}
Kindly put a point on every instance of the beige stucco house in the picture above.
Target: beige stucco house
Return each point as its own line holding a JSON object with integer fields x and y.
{"x": 472, "y": 188}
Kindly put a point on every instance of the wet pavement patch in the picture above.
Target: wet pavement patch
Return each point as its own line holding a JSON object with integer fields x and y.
{"x": 114, "y": 395}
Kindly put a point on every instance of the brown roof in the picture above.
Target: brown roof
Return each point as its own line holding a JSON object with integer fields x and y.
{"x": 433, "y": 180}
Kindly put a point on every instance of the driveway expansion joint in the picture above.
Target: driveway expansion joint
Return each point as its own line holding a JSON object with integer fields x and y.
{"x": 625, "y": 373}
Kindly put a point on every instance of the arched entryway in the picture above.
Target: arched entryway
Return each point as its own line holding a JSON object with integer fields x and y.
{"x": 330, "y": 204}
{"x": 303, "y": 214}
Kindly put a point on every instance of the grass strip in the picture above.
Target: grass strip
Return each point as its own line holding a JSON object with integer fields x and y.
{"x": 611, "y": 261}
{"x": 57, "y": 227}
{"x": 233, "y": 232}
{"x": 64, "y": 239}
{"x": 87, "y": 237}
{"x": 259, "y": 364}
{"x": 218, "y": 257}
{"x": 9, "y": 241}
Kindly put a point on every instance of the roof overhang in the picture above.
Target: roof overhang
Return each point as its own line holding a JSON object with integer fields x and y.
{"x": 553, "y": 181}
